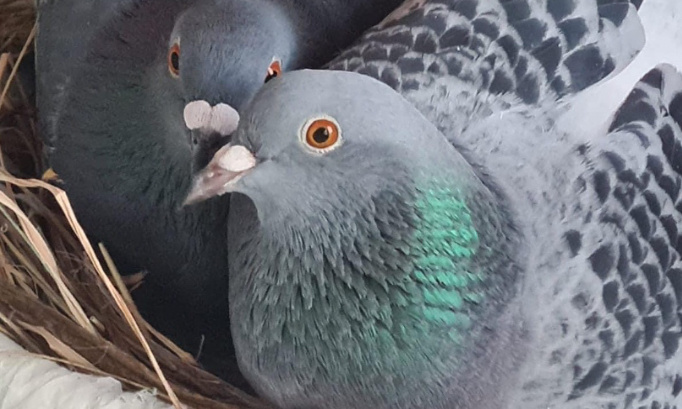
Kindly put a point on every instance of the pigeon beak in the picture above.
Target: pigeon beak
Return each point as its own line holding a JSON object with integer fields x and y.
{"x": 205, "y": 146}
{"x": 228, "y": 165}
{"x": 210, "y": 126}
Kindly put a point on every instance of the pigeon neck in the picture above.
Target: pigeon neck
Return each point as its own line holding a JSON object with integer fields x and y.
{"x": 404, "y": 281}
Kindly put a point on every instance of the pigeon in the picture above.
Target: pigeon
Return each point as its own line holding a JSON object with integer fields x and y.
{"x": 126, "y": 87}
{"x": 384, "y": 254}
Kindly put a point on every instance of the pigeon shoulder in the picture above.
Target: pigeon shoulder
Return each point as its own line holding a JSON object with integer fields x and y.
{"x": 471, "y": 59}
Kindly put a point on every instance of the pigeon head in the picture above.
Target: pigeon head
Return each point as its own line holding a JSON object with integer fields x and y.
{"x": 291, "y": 161}
{"x": 361, "y": 244}
{"x": 219, "y": 54}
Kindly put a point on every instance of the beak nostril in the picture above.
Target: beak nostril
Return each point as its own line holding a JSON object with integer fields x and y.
{"x": 221, "y": 118}
{"x": 196, "y": 114}
{"x": 224, "y": 119}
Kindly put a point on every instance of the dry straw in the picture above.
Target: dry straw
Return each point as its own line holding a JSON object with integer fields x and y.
{"x": 57, "y": 299}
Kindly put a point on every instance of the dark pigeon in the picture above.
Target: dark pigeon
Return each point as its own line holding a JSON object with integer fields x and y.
{"x": 126, "y": 86}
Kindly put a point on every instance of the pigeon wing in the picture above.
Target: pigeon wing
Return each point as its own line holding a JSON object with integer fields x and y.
{"x": 626, "y": 234}
{"x": 476, "y": 57}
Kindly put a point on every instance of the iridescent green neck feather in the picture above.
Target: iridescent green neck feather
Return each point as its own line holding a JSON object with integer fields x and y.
{"x": 398, "y": 285}
{"x": 445, "y": 242}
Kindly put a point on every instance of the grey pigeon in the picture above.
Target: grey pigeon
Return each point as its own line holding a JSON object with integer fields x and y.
{"x": 124, "y": 87}
{"x": 376, "y": 262}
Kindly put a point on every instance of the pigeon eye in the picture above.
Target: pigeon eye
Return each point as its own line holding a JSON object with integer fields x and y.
{"x": 274, "y": 70}
{"x": 174, "y": 60}
{"x": 322, "y": 134}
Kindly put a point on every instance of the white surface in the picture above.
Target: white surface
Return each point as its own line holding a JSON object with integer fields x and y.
{"x": 27, "y": 382}
{"x": 592, "y": 109}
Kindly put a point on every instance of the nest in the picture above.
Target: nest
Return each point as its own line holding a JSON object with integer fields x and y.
{"x": 58, "y": 300}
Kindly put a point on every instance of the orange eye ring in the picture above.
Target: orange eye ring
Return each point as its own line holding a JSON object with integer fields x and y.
{"x": 322, "y": 134}
{"x": 274, "y": 70}
{"x": 174, "y": 60}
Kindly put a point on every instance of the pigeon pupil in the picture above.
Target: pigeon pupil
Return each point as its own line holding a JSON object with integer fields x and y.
{"x": 321, "y": 135}
{"x": 271, "y": 76}
{"x": 175, "y": 61}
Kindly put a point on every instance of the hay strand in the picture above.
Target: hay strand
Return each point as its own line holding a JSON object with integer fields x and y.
{"x": 13, "y": 74}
